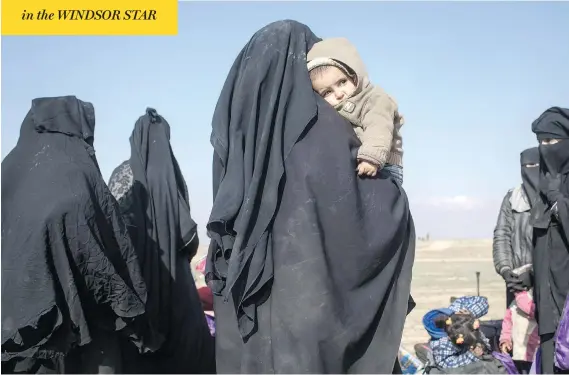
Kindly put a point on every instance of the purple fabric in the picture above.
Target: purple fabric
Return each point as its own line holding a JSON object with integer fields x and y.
{"x": 210, "y": 324}
{"x": 562, "y": 339}
{"x": 536, "y": 365}
{"x": 507, "y": 361}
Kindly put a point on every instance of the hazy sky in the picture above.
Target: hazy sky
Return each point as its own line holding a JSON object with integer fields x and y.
{"x": 469, "y": 78}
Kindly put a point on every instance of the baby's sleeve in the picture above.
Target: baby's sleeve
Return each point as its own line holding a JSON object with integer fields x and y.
{"x": 377, "y": 122}
{"x": 526, "y": 304}
{"x": 506, "y": 334}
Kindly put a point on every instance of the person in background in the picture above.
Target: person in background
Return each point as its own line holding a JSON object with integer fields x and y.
{"x": 153, "y": 198}
{"x": 512, "y": 245}
{"x": 519, "y": 329}
{"x": 464, "y": 343}
{"x": 447, "y": 353}
{"x": 468, "y": 344}
{"x": 550, "y": 219}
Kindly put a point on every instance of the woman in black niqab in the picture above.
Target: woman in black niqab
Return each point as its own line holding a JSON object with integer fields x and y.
{"x": 310, "y": 266}
{"x": 550, "y": 218}
{"x": 153, "y": 197}
{"x": 70, "y": 277}
{"x": 529, "y": 160}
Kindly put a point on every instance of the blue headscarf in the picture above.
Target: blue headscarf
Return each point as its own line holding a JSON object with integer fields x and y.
{"x": 429, "y": 322}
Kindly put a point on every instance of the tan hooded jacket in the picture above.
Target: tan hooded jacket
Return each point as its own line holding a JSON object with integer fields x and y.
{"x": 373, "y": 113}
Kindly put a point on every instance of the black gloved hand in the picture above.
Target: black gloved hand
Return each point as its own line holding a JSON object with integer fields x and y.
{"x": 509, "y": 276}
{"x": 526, "y": 280}
{"x": 513, "y": 282}
{"x": 553, "y": 193}
{"x": 515, "y": 287}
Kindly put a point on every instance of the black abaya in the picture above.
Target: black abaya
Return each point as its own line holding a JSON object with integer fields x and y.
{"x": 153, "y": 197}
{"x": 340, "y": 249}
{"x": 70, "y": 276}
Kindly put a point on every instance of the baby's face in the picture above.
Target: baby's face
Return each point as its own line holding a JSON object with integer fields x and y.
{"x": 478, "y": 350}
{"x": 333, "y": 85}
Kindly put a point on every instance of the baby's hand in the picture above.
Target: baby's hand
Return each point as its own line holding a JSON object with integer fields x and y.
{"x": 366, "y": 169}
{"x": 506, "y": 347}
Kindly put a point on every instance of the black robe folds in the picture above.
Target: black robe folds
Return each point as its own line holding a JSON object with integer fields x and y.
{"x": 310, "y": 265}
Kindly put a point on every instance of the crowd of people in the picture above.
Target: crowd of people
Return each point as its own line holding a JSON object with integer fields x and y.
{"x": 312, "y": 242}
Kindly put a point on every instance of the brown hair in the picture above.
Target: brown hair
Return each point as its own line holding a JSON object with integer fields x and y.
{"x": 463, "y": 330}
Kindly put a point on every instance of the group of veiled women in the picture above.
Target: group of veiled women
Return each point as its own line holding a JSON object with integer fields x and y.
{"x": 310, "y": 266}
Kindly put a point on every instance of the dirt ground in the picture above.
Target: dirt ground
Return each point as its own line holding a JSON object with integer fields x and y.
{"x": 444, "y": 269}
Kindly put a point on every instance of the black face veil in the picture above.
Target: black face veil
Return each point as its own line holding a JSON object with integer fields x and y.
{"x": 553, "y": 124}
{"x": 529, "y": 160}
{"x": 254, "y": 128}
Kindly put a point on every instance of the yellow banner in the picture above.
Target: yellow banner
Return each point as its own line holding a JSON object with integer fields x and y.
{"x": 89, "y": 17}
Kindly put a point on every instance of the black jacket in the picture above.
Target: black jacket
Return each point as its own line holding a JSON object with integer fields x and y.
{"x": 512, "y": 247}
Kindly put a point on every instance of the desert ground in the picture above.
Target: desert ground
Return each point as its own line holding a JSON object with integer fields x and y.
{"x": 444, "y": 269}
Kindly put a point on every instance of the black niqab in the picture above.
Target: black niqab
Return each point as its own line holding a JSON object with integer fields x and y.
{"x": 68, "y": 266}
{"x": 262, "y": 111}
{"x": 324, "y": 285}
{"x": 165, "y": 238}
{"x": 530, "y": 175}
{"x": 553, "y": 124}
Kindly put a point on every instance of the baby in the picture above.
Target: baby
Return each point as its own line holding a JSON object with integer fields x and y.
{"x": 338, "y": 74}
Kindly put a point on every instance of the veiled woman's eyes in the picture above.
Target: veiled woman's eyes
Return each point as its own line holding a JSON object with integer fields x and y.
{"x": 550, "y": 141}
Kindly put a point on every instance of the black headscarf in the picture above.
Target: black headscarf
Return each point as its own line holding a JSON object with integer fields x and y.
{"x": 530, "y": 175}
{"x": 553, "y": 124}
{"x": 554, "y": 158}
{"x": 167, "y": 223}
{"x": 263, "y": 109}
{"x": 68, "y": 266}
{"x": 326, "y": 277}
{"x": 165, "y": 235}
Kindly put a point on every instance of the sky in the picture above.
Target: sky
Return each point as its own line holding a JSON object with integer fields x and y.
{"x": 469, "y": 77}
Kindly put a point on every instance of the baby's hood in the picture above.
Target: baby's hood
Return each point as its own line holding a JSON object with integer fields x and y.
{"x": 341, "y": 50}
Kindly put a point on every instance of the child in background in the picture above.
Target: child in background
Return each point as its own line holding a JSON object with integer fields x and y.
{"x": 468, "y": 344}
{"x": 205, "y": 294}
{"x": 520, "y": 335}
{"x": 448, "y": 354}
{"x": 338, "y": 74}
